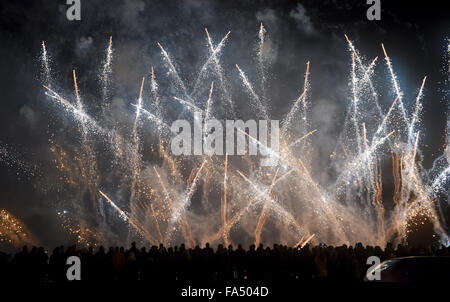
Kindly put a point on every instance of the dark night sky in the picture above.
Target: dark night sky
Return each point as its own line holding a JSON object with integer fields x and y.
{"x": 414, "y": 33}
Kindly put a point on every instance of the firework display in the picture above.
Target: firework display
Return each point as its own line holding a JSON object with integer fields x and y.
{"x": 144, "y": 192}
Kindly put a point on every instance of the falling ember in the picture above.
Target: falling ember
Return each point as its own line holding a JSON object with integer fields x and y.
{"x": 13, "y": 231}
{"x": 83, "y": 235}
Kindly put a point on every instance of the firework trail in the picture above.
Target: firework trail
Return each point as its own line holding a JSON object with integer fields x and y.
{"x": 209, "y": 104}
{"x": 172, "y": 70}
{"x": 131, "y": 221}
{"x": 179, "y": 209}
{"x": 263, "y": 216}
{"x": 136, "y": 153}
{"x": 182, "y": 224}
{"x": 272, "y": 204}
{"x": 80, "y": 115}
{"x": 226, "y": 238}
{"x": 302, "y": 98}
{"x": 355, "y": 101}
{"x": 157, "y": 224}
{"x": 214, "y": 60}
{"x": 367, "y": 72}
{"x": 308, "y": 240}
{"x": 261, "y": 62}
{"x": 158, "y": 117}
{"x": 89, "y": 161}
{"x": 135, "y": 161}
{"x": 417, "y": 110}
{"x": 105, "y": 76}
{"x": 395, "y": 84}
{"x": 254, "y": 97}
{"x": 46, "y": 65}
{"x": 303, "y": 137}
{"x": 188, "y": 104}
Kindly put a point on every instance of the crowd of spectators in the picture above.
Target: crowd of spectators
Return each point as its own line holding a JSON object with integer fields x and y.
{"x": 179, "y": 264}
